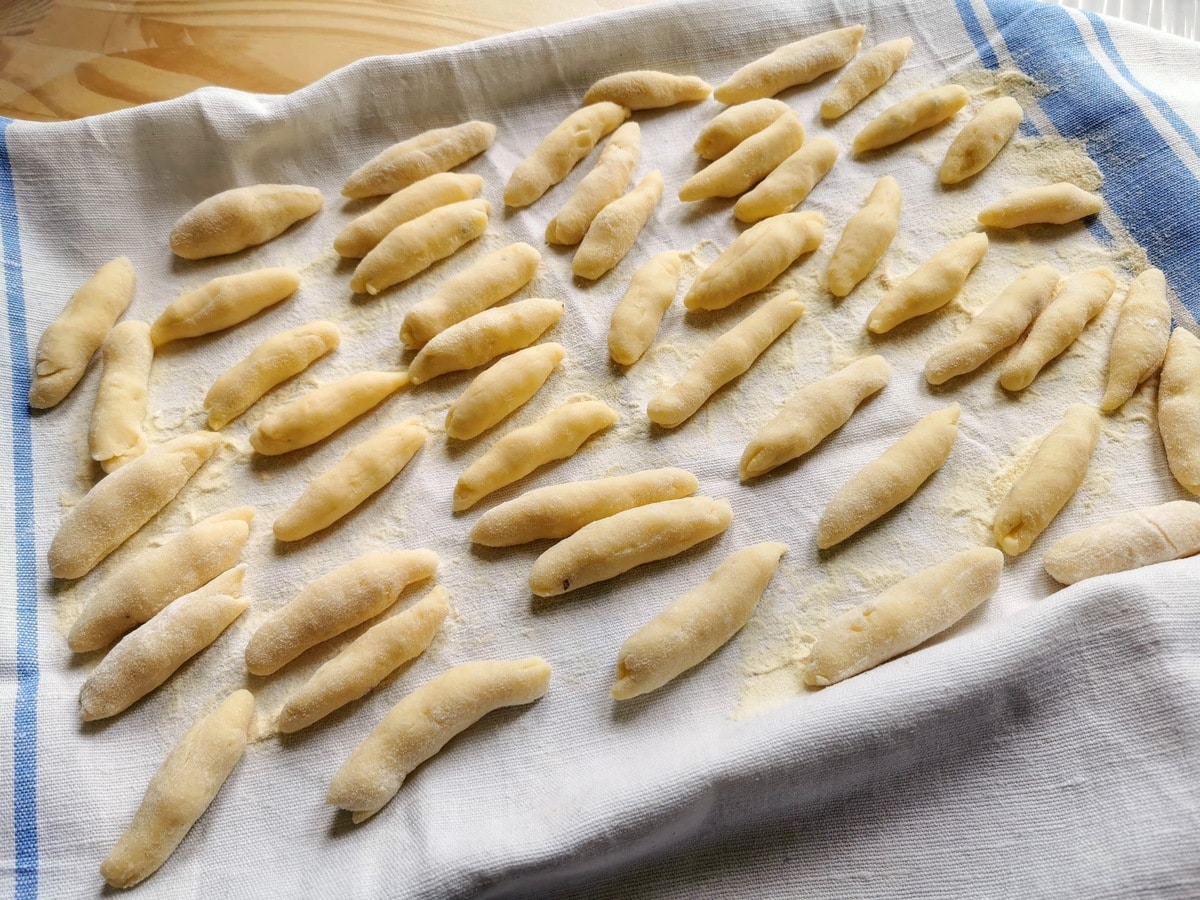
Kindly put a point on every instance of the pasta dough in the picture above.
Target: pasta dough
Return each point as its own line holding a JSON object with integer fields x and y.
{"x": 1179, "y": 408}
{"x": 613, "y": 232}
{"x": 748, "y": 163}
{"x": 600, "y": 187}
{"x": 223, "y": 303}
{"x": 498, "y": 392}
{"x": 636, "y": 318}
{"x": 1055, "y": 204}
{"x": 912, "y": 116}
{"x": 981, "y": 139}
{"x": 645, "y": 89}
{"x": 730, "y": 127}
{"x": 242, "y": 217}
{"x": 1139, "y": 537}
{"x": 115, "y": 434}
{"x": 431, "y": 152}
{"x": 360, "y": 236}
{"x": 935, "y": 283}
{"x": 865, "y": 238}
{"x": 1139, "y": 342}
{"x": 797, "y": 63}
{"x": 867, "y": 74}
{"x": 789, "y": 183}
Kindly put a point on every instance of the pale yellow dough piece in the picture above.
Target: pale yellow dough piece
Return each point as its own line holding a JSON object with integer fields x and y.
{"x": 369, "y": 659}
{"x": 366, "y": 469}
{"x": 115, "y": 434}
{"x": 636, "y": 318}
{"x": 998, "y": 325}
{"x": 570, "y": 141}
{"x": 180, "y": 791}
{"x": 886, "y": 482}
{"x": 242, "y": 217}
{"x": 1079, "y": 298}
{"x": 867, "y": 74}
{"x": 562, "y": 509}
{"x": 730, "y": 127}
{"x": 267, "y": 366}
{"x": 615, "y": 229}
{"x": 557, "y": 435}
{"x": 797, "y": 63}
{"x": 612, "y": 546}
{"x": 145, "y": 584}
{"x": 478, "y": 340}
{"x": 600, "y": 187}
{"x": 904, "y": 616}
{"x": 697, "y": 624}
{"x": 414, "y": 246}
{"x": 223, "y": 303}
{"x": 481, "y": 285}
{"x": 429, "y": 153}
{"x": 790, "y": 182}
{"x": 981, "y": 139}
{"x": 361, "y": 235}
{"x": 911, "y": 116}
{"x": 1139, "y": 343}
{"x": 935, "y": 283}
{"x": 1054, "y": 204}
{"x": 144, "y": 659}
{"x": 865, "y": 238}
{"x": 1179, "y": 408}
{"x": 314, "y": 416}
{"x": 69, "y": 342}
{"x": 501, "y": 390}
{"x": 728, "y": 357}
{"x": 335, "y": 602}
{"x": 1139, "y": 537}
{"x": 757, "y": 257}
{"x": 1049, "y": 481}
{"x": 748, "y": 163}
{"x": 647, "y": 89}
{"x": 115, "y": 508}
{"x": 813, "y": 413}
{"x": 425, "y": 721}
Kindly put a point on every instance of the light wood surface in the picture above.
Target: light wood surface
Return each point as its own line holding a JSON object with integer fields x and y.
{"x": 63, "y": 59}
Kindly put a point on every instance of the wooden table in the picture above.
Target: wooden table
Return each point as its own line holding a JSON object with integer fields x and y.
{"x": 63, "y": 59}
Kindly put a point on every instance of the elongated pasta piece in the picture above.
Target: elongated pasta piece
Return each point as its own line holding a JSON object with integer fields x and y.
{"x": 1079, "y": 298}
{"x": 223, "y": 303}
{"x": 935, "y": 283}
{"x": 562, "y": 509}
{"x": 887, "y": 481}
{"x": 904, "y": 616}
{"x": 1179, "y": 408}
{"x": 728, "y": 357}
{"x": 369, "y": 659}
{"x": 115, "y": 508}
{"x": 796, "y": 63}
{"x": 636, "y": 318}
{"x": 69, "y": 342}
{"x": 570, "y": 141}
{"x": 1000, "y": 324}
{"x": 144, "y": 659}
{"x": 366, "y": 469}
{"x": 478, "y": 287}
{"x": 813, "y": 413}
{"x": 612, "y": 546}
{"x": 748, "y": 163}
{"x": 757, "y": 257}
{"x": 911, "y": 116}
{"x": 479, "y": 339}
{"x": 647, "y": 89}
{"x": 600, "y": 187}
{"x": 361, "y": 235}
{"x": 697, "y": 624}
{"x": 267, "y": 366}
{"x": 867, "y": 74}
{"x": 789, "y": 183}
{"x": 865, "y": 238}
{"x": 730, "y": 127}
{"x": 414, "y": 246}
{"x": 1054, "y": 204}
{"x": 557, "y": 435}
{"x": 498, "y": 392}
{"x": 1051, "y": 479}
{"x": 429, "y": 153}
{"x": 981, "y": 139}
{"x": 314, "y": 416}
{"x": 242, "y": 217}
{"x": 423, "y": 723}
{"x": 115, "y": 434}
{"x": 1139, "y": 343}
{"x": 180, "y": 791}
{"x": 135, "y": 592}
{"x": 1139, "y": 537}
{"x": 613, "y": 232}
{"x": 335, "y": 602}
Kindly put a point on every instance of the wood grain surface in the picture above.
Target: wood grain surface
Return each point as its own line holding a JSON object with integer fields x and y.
{"x": 63, "y": 59}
